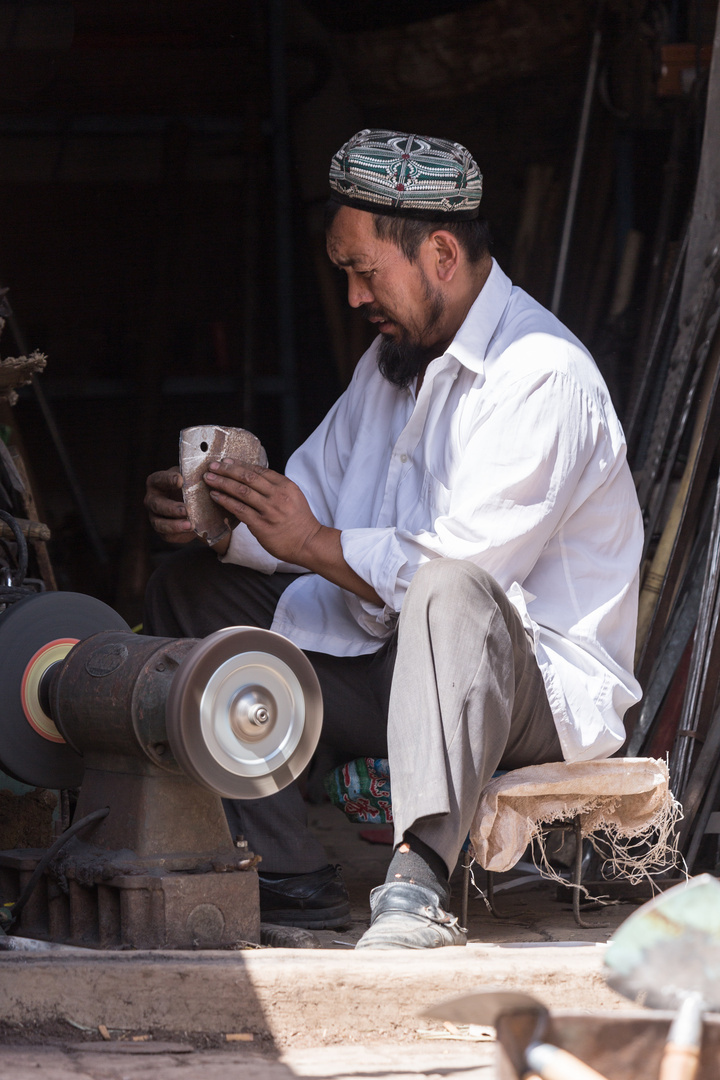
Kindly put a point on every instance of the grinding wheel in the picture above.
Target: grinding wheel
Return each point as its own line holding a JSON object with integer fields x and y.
{"x": 244, "y": 712}
{"x": 35, "y": 633}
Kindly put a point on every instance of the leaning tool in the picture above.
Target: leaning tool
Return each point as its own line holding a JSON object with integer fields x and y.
{"x": 487, "y": 1006}
{"x": 666, "y": 955}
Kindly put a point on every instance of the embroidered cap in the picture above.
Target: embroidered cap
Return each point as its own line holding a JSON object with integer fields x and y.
{"x": 390, "y": 172}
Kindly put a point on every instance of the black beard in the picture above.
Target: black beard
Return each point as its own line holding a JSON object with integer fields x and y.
{"x": 401, "y": 361}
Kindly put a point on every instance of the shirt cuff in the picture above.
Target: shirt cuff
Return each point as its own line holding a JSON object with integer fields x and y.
{"x": 245, "y": 550}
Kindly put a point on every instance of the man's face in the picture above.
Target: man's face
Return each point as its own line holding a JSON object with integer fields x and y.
{"x": 395, "y": 295}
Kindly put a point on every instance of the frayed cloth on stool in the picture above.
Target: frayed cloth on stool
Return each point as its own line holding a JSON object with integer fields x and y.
{"x": 625, "y": 806}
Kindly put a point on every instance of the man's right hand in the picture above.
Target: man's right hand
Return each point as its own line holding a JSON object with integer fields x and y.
{"x": 165, "y": 506}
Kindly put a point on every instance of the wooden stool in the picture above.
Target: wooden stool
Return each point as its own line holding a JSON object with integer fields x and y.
{"x": 625, "y": 797}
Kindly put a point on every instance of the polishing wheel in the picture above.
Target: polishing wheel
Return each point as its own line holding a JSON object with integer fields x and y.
{"x": 36, "y": 633}
{"x": 244, "y": 712}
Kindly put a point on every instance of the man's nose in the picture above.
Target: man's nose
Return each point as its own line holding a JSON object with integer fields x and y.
{"x": 358, "y": 291}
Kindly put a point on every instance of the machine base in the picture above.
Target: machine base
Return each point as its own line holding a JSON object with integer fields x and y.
{"x": 157, "y": 910}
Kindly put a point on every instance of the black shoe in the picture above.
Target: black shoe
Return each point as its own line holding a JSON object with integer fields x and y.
{"x": 404, "y": 915}
{"x": 315, "y": 901}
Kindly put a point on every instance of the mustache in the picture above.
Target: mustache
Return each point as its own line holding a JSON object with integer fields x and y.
{"x": 369, "y": 311}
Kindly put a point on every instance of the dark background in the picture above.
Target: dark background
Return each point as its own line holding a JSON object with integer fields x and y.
{"x": 163, "y": 170}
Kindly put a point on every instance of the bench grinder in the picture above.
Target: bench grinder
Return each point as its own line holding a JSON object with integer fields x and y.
{"x": 153, "y": 731}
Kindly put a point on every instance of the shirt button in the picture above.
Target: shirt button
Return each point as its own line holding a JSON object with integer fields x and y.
{"x": 403, "y": 458}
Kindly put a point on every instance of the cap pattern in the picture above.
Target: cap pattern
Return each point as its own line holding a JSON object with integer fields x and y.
{"x": 391, "y": 172}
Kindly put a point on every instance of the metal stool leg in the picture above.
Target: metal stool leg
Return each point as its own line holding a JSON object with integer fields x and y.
{"x": 491, "y": 894}
{"x": 577, "y": 876}
{"x": 466, "y": 864}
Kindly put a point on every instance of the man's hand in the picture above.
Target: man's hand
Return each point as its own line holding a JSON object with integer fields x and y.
{"x": 278, "y": 515}
{"x": 272, "y": 506}
{"x": 163, "y": 500}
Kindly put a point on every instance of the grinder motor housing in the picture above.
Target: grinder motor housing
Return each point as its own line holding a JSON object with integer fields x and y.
{"x": 156, "y": 730}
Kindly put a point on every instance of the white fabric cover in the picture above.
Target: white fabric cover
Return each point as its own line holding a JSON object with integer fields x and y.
{"x": 626, "y": 796}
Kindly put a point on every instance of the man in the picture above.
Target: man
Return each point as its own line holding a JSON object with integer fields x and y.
{"x": 455, "y": 547}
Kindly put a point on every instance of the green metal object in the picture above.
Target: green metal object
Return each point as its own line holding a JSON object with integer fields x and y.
{"x": 670, "y": 948}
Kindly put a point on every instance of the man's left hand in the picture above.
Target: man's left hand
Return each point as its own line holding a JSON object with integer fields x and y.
{"x": 273, "y": 507}
{"x": 278, "y": 515}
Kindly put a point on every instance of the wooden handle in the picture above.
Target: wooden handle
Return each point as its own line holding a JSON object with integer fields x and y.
{"x": 679, "y": 1062}
{"x": 32, "y": 530}
{"x": 681, "y": 1056}
{"x": 552, "y": 1063}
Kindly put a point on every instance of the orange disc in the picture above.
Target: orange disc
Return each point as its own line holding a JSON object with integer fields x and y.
{"x": 44, "y": 658}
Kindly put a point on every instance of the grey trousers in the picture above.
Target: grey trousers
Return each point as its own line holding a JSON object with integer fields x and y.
{"x": 453, "y": 695}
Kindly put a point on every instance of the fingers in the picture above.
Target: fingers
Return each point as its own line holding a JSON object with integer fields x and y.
{"x": 169, "y": 519}
{"x": 166, "y": 510}
{"x": 252, "y": 476}
{"x": 167, "y": 480}
{"x": 245, "y": 486}
{"x": 271, "y": 505}
{"x": 164, "y": 489}
{"x": 161, "y": 506}
{"x": 176, "y": 532}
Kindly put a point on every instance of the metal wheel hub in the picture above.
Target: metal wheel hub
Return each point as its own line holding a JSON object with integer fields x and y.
{"x": 244, "y": 712}
{"x": 252, "y": 713}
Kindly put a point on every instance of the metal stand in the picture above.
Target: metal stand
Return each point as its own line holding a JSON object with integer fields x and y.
{"x": 575, "y": 885}
{"x": 467, "y": 860}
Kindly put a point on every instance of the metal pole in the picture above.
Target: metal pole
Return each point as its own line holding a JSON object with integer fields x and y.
{"x": 577, "y": 168}
{"x": 61, "y": 450}
{"x": 705, "y": 221}
{"x": 282, "y": 197}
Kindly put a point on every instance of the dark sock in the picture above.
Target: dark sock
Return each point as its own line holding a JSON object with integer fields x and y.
{"x": 422, "y": 866}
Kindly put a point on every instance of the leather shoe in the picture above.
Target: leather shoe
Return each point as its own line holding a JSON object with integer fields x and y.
{"x": 408, "y": 916}
{"x": 315, "y": 901}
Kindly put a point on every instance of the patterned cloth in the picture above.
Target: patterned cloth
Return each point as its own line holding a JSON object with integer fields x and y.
{"x": 362, "y": 789}
{"x": 390, "y": 172}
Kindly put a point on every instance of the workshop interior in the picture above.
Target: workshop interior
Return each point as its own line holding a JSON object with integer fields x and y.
{"x": 163, "y": 175}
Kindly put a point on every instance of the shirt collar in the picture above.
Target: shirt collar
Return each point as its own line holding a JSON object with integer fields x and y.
{"x": 470, "y": 344}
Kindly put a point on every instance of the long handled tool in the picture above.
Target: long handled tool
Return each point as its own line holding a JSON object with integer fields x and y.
{"x": 543, "y": 1059}
{"x": 666, "y": 955}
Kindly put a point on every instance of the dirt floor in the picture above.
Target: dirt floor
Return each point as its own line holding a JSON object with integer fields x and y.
{"x": 374, "y": 1061}
{"x": 322, "y": 1010}
{"x": 529, "y": 906}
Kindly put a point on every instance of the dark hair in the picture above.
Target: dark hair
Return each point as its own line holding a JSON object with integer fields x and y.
{"x": 409, "y": 233}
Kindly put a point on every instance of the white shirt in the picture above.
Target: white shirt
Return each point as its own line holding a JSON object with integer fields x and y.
{"x": 512, "y": 457}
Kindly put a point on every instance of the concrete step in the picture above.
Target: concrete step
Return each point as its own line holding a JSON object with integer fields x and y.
{"x": 276, "y": 994}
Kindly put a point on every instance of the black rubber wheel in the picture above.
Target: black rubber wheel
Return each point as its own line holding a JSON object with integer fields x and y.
{"x": 34, "y": 633}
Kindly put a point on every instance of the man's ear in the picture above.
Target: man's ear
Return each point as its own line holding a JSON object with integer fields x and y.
{"x": 446, "y": 252}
